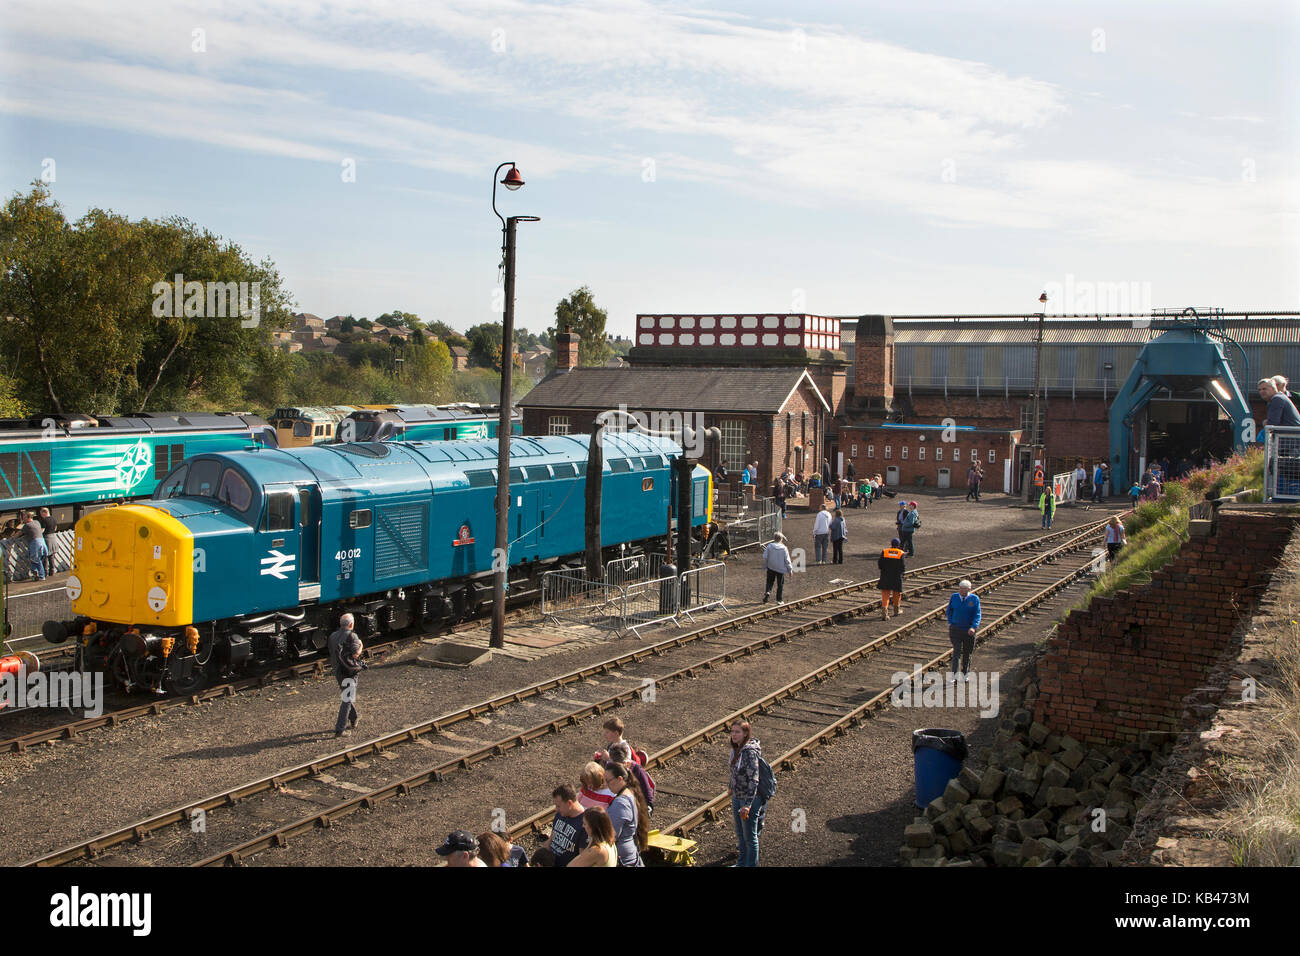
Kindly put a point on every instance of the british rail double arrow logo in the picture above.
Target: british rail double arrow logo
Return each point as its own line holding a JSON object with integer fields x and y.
{"x": 277, "y": 564}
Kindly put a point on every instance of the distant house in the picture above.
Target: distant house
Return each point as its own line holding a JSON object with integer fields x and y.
{"x": 459, "y": 357}
{"x": 306, "y": 322}
{"x": 323, "y": 343}
{"x": 535, "y": 362}
{"x": 335, "y": 323}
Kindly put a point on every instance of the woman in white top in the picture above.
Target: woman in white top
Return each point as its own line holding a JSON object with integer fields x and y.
{"x": 600, "y": 849}
{"x": 1115, "y": 538}
{"x": 776, "y": 559}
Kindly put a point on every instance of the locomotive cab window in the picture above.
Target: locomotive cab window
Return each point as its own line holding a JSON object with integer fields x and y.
{"x": 202, "y": 479}
{"x": 173, "y": 486}
{"x": 359, "y": 519}
{"x": 647, "y": 484}
{"x": 279, "y": 511}
{"x": 234, "y": 491}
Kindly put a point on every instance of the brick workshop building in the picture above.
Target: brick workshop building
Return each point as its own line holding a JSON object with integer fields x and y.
{"x": 979, "y": 371}
{"x": 873, "y": 371}
{"x": 931, "y": 456}
{"x": 774, "y": 414}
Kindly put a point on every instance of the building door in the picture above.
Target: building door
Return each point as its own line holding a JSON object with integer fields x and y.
{"x": 891, "y": 476}
{"x": 945, "y": 478}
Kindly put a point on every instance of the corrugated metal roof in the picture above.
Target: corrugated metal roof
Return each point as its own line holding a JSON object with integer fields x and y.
{"x": 694, "y": 389}
{"x": 1255, "y": 331}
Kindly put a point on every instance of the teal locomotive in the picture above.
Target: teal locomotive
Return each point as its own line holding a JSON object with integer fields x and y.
{"x": 54, "y": 460}
{"x": 251, "y": 556}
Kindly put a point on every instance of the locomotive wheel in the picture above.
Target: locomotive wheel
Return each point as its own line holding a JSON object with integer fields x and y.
{"x": 182, "y": 680}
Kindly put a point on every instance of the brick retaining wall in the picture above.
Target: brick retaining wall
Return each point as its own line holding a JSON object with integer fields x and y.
{"x": 1125, "y": 664}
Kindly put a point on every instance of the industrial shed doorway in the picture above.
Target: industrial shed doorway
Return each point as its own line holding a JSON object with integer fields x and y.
{"x": 1185, "y": 429}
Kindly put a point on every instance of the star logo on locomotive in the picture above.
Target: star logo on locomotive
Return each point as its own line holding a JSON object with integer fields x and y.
{"x": 134, "y": 465}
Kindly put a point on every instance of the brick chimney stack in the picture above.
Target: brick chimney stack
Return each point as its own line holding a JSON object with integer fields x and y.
{"x": 566, "y": 350}
{"x": 873, "y": 362}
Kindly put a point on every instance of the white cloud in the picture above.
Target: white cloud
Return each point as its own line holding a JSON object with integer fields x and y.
{"x": 804, "y": 115}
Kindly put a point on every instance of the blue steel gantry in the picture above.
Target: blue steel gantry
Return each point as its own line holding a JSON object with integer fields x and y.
{"x": 1182, "y": 359}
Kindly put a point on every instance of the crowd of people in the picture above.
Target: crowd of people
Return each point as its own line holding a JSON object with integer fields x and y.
{"x": 34, "y": 531}
{"x": 605, "y": 820}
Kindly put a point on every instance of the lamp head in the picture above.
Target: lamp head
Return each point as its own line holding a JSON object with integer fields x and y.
{"x": 512, "y": 180}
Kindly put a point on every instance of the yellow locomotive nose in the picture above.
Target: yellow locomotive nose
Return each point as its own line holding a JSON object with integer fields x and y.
{"x": 133, "y": 565}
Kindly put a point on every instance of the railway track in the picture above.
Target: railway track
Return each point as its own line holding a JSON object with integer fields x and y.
{"x": 770, "y": 626}
{"x": 316, "y": 667}
{"x": 920, "y": 580}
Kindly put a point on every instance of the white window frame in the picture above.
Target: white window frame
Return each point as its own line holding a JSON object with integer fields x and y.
{"x": 871, "y": 451}
{"x": 889, "y": 452}
{"x": 557, "y": 425}
{"x": 920, "y": 453}
{"x": 853, "y": 451}
{"x": 938, "y": 453}
{"x": 993, "y": 456}
{"x": 903, "y": 453}
{"x": 734, "y": 441}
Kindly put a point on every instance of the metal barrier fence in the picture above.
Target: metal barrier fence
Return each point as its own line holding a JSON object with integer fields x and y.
{"x": 702, "y": 588}
{"x": 752, "y": 531}
{"x": 636, "y": 567}
{"x": 650, "y": 602}
{"x": 17, "y": 564}
{"x": 29, "y": 610}
{"x": 569, "y": 597}
{"x": 734, "y": 504}
{"x": 1281, "y": 463}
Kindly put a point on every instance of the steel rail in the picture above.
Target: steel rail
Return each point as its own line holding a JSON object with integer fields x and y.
{"x": 838, "y": 727}
{"x": 326, "y": 818}
{"x": 312, "y": 668}
{"x": 137, "y": 831}
{"x": 316, "y": 667}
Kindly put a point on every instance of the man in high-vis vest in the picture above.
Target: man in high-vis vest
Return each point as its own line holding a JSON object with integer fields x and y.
{"x": 892, "y": 564}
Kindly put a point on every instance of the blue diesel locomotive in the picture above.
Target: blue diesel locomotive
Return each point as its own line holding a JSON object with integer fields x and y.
{"x": 251, "y": 556}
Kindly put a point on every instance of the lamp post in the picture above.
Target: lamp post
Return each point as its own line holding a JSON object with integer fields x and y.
{"x": 512, "y": 181}
{"x": 1039, "y": 441}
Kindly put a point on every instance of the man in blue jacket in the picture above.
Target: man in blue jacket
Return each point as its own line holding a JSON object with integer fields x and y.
{"x": 963, "y": 622}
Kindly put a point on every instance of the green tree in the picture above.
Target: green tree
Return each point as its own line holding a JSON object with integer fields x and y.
{"x": 210, "y": 355}
{"x": 485, "y": 345}
{"x": 447, "y": 334}
{"x": 580, "y": 313}
{"x": 92, "y": 329}
{"x": 77, "y": 293}
{"x": 427, "y": 377}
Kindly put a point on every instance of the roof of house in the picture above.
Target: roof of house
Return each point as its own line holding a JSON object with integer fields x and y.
{"x": 753, "y": 390}
{"x": 459, "y": 351}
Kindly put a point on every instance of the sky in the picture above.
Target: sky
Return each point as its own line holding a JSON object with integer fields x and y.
{"x": 837, "y": 158}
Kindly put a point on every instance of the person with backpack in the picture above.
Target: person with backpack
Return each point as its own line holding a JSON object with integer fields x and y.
{"x": 613, "y": 731}
{"x": 908, "y": 526}
{"x": 892, "y": 565}
{"x": 752, "y": 785}
{"x": 839, "y": 534}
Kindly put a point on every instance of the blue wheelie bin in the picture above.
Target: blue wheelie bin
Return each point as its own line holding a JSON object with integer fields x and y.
{"x": 937, "y": 757}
